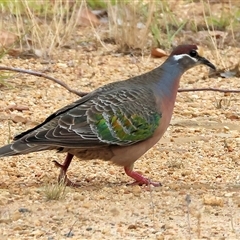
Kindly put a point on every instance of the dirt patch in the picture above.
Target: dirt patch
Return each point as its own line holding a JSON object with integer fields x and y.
{"x": 197, "y": 161}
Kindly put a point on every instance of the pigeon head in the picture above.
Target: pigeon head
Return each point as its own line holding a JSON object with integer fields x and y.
{"x": 189, "y": 56}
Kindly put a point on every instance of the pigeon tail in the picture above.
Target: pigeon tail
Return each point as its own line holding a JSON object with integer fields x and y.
{"x": 18, "y": 148}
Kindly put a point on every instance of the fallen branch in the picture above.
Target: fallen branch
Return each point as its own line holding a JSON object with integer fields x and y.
{"x": 209, "y": 89}
{"x": 81, "y": 94}
{"x": 39, "y": 74}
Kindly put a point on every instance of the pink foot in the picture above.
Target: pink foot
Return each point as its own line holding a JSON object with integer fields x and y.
{"x": 139, "y": 179}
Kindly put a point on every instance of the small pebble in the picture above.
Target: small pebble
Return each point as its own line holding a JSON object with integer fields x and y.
{"x": 69, "y": 234}
{"x": 23, "y": 210}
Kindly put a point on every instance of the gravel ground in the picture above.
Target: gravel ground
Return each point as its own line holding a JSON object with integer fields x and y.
{"x": 197, "y": 160}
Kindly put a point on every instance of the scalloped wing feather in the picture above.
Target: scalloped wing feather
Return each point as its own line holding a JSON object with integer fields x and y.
{"x": 117, "y": 118}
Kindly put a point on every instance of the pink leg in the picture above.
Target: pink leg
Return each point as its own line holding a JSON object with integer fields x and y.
{"x": 139, "y": 179}
{"x": 63, "y": 171}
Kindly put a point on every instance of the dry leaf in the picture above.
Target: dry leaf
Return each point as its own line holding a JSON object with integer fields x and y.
{"x": 157, "y": 52}
{"x": 87, "y": 18}
{"x": 7, "y": 39}
{"x": 14, "y": 52}
{"x": 17, "y": 107}
{"x": 17, "y": 119}
{"x": 232, "y": 116}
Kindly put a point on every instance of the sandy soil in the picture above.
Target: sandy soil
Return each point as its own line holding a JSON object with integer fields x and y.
{"x": 197, "y": 161}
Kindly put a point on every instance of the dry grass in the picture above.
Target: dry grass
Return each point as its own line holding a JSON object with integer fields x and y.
{"x": 41, "y": 25}
{"x": 130, "y": 24}
{"x": 55, "y": 191}
{"x": 47, "y": 25}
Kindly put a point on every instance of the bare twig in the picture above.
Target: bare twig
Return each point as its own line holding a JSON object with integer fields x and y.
{"x": 209, "y": 89}
{"x": 188, "y": 201}
{"x": 39, "y": 74}
{"x": 70, "y": 234}
{"x": 81, "y": 94}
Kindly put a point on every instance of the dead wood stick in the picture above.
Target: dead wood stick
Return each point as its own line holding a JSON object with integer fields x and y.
{"x": 39, "y": 74}
{"x": 208, "y": 89}
{"x": 81, "y": 94}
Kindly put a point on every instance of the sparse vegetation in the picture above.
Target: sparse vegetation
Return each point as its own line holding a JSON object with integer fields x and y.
{"x": 48, "y": 25}
{"x": 55, "y": 191}
{"x": 198, "y": 155}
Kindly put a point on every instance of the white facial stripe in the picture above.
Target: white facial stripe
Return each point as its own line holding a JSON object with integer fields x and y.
{"x": 180, "y": 56}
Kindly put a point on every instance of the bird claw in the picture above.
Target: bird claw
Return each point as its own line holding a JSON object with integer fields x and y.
{"x": 69, "y": 183}
{"x": 147, "y": 183}
{"x": 58, "y": 165}
{"x": 62, "y": 177}
{"x": 139, "y": 179}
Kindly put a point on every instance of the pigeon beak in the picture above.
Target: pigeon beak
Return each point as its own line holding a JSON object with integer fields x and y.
{"x": 204, "y": 61}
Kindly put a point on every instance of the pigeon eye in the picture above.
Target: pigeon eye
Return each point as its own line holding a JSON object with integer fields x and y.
{"x": 193, "y": 53}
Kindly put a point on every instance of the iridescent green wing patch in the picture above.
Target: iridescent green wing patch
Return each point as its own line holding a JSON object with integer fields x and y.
{"x": 123, "y": 122}
{"x": 123, "y": 130}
